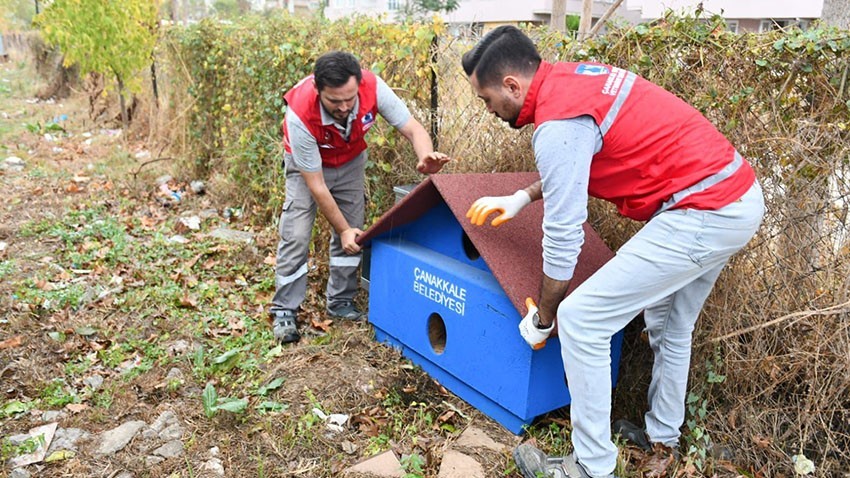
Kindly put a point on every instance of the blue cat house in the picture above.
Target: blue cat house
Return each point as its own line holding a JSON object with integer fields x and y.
{"x": 450, "y": 295}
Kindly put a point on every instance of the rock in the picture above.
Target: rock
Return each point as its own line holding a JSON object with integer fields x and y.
{"x": 385, "y": 465}
{"x": 348, "y": 447}
{"x": 192, "y": 223}
{"x": 178, "y": 347}
{"x": 94, "y": 382}
{"x": 67, "y": 439}
{"x": 52, "y": 416}
{"x": 165, "y": 419}
{"x": 13, "y": 164}
{"x": 476, "y": 438}
{"x": 19, "y": 439}
{"x": 172, "y": 432}
{"x": 232, "y": 235}
{"x": 19, "y": 473}
{"x": 153, "y": 460}
{"x": 174, "y": 374}
{"x": 125, "y": 474}
{"x": 214, "y": 466}
{"x": 457, "y": 465}
{"x": 198, "y": 187}
{"x": 208, "y": 213}
{"x": 117, "y": 438}
{"x": 172, "y": 449}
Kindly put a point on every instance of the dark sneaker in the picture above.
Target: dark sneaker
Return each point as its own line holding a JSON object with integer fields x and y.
{"x": 344, "y": 310}
{"x": 284, "y": 326}
{"x": 533, "y": 463}
{"x": 632, "y": 433}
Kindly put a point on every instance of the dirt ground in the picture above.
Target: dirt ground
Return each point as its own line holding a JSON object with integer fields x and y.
{"x": 119, "y": 305}
{"x": 128, "y": 309}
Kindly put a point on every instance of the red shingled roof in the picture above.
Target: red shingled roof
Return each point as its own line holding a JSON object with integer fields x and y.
{"x": 512, "y": 251}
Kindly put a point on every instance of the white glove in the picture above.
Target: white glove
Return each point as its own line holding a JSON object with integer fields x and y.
{"x": 529, "y": 330}
{"x": 508, "y": 206}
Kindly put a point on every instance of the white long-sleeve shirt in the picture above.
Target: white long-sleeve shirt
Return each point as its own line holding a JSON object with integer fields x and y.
{"x": 563, "y": 150}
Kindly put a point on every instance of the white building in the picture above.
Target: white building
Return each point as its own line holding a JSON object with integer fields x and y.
{"x": 482, "y": 15}
{"x": 477, "y": 14}
{"x": 741, "y": 15}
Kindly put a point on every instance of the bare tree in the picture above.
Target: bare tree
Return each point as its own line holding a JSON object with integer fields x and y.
{"x": 836, "y": 13}
{"x": 586, "y": 19}
{"x": 558, "y": 20}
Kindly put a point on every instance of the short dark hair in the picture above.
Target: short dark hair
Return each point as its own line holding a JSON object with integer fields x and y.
{"x": 334, "y": 69}
{"x": 503, "y": 51}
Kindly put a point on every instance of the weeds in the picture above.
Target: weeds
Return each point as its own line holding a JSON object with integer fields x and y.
{"x": 213, "y": 403}
{"x": 413, "y": 466}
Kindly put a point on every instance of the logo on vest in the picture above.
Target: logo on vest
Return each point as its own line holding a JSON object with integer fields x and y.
{"x": 614, "y": 82}
{"x": 368, "y": 121}
{"x": 591, "y": 70}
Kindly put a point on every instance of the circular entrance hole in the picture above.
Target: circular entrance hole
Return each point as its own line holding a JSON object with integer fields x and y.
{"x": 469, "y": 248}
{"x": 437, "y": 333}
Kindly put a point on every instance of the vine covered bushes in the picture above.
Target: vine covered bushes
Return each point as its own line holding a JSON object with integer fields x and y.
{"x": 236, "y": 75}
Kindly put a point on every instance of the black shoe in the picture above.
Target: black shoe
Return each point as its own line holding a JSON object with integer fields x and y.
{"x": 284, "y": 326}
{"x": 344, "y": 310}
{"x": 632, "y": 433}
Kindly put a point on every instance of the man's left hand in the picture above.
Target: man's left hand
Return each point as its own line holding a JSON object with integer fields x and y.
{"x": 432, "y": 162}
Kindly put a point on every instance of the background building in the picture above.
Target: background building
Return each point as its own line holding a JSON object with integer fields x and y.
{"x": 742, "y": 16}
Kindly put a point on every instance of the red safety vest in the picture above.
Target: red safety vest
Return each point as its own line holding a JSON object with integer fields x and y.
{"x": 654, "y": 144}
{"x": 334, "y": 149}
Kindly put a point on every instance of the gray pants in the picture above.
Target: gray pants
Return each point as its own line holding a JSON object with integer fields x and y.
{"x": 667, "y": 269}
{"x": 346, "y": 185}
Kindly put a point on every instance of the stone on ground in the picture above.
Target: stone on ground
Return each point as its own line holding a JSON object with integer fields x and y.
{"x": 457, "y": 465}
{"x": 474, "y": 437}
{"x": 385, "y": 465}
{"x": 117, "y": 438}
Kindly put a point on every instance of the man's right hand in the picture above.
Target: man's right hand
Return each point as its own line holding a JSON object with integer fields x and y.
{"x": 348, "y": 239}
{"x": 508, "y": 206}
{"x": 529, "y": 327}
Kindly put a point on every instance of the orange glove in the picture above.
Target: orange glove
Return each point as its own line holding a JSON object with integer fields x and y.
{"x": 507, "y": 206}
{"x": 529, "y": 330}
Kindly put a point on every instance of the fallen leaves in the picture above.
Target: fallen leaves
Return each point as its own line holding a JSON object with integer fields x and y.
{"x": 323, "y": 325}
{"x": 13, "y": 342}
{"x": 76, "y": 407}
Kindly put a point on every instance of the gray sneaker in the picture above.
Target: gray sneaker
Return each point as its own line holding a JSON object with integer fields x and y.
{"x": 533, "y": 463}
{"x": 344, "y": 310}
{"x": 284, "y": 326}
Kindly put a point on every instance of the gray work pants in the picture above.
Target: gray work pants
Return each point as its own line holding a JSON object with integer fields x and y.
{"x": 346, "y": 185}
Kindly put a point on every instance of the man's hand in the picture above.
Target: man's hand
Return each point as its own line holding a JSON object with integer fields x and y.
{"x": 508, "y": 206}
{"x": 348, "y": 238}
{"x": 529, "y": 330}
{"x": 432, "y": 162}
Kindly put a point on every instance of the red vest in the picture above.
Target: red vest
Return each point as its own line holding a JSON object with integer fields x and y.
{"x": 334, "y": 149}
{"x": 654, "y": 144}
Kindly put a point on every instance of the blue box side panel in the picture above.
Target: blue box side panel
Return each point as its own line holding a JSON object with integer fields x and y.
{"x": 484, "y": 404}
{"x": 439, "y": 231}
{"x": 482, "y": 346}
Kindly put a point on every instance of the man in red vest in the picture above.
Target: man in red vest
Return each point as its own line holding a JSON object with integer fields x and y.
{"x": 328, "y": 115}
{"x": 608, "y": 133}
